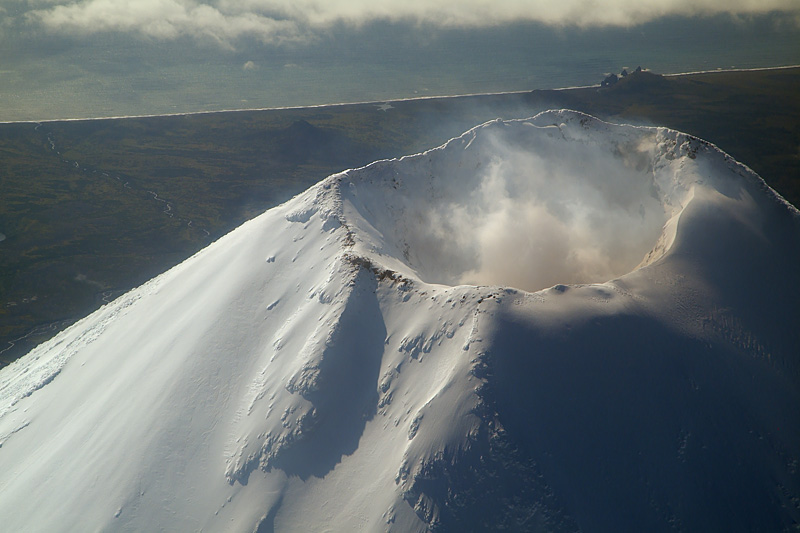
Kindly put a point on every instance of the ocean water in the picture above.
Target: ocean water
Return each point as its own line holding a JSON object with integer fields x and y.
{"x": 118, "y": 75}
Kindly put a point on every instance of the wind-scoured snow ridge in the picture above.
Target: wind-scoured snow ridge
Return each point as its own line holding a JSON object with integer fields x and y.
{"x": 553, "y": 324}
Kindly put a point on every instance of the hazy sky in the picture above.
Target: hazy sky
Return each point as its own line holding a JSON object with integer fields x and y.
{"x": 88, "y": 58}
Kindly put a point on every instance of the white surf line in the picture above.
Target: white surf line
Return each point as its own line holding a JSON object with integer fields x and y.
{"x": 369, "y": 102}
{"x": 759, "y": 69}
{"x": 297, "y": 107}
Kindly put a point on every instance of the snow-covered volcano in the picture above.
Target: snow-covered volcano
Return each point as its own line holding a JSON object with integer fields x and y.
{"x": 332, "y": 365}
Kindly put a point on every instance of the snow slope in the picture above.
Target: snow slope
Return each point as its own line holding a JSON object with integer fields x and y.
{"x": 332, "y": 366}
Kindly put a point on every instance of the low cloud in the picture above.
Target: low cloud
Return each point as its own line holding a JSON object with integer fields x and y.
{"x": 271, "y": 21}
{"x": 165, "y": 20}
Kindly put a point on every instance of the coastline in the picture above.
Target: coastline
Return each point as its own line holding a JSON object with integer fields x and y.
{"x": 378, "y": 102}
{"x": 787, "y": 67}
{"x": 216, "y": 169}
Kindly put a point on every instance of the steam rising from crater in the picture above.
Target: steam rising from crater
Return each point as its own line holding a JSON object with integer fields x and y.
{"x": 518, "y": 206}
{"x": 535, "y": 222}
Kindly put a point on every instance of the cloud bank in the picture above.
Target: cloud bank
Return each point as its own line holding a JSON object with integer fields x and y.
{"x": 273, "y": 21}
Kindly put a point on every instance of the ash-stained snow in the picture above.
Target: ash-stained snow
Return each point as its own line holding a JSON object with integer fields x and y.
{"x": 365, "y": 356}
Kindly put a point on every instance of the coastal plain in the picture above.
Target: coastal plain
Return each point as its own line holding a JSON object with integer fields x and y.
{"x": 92, "y": 208}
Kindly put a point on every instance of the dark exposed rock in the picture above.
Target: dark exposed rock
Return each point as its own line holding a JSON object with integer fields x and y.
{"x": 610, "y": 80}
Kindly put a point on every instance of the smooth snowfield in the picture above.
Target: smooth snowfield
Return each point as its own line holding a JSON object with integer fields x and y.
{"x": 332, "y": 365}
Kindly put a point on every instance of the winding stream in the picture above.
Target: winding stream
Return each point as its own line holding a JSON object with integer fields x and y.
{"x": 168, "y": 209}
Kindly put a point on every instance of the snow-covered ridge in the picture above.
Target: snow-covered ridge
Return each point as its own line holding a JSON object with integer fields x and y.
{"x": 558, "y": 198}
{"x": 333, "y": 364}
